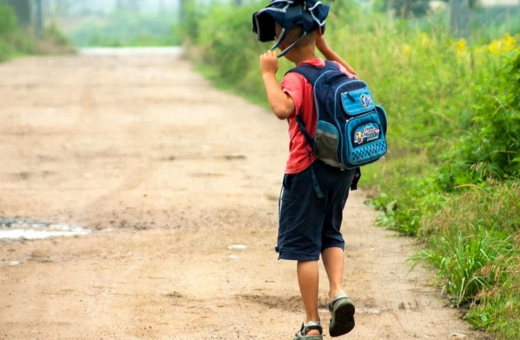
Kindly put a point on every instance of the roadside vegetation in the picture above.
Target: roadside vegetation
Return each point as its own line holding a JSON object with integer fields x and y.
{"x": 17, "y": 41}
{"x": 452, "y": 175}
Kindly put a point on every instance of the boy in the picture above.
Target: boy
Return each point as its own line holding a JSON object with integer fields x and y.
{"x": 309, "y": 226}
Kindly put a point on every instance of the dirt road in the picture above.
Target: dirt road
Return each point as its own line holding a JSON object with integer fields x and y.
{"x": 169, "y": 172}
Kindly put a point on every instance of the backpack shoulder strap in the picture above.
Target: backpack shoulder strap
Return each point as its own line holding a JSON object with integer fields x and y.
{"x": 303, "y": 130}
{"x": 312, "y": 73}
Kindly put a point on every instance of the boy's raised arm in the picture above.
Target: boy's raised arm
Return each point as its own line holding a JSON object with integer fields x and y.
{"x": 329, "y": 54}
{"x": 281, "y": 104}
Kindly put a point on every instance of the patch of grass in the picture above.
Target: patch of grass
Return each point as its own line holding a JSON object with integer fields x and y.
{"x": 474, "y": 243}
{"x": 469, "y": 262}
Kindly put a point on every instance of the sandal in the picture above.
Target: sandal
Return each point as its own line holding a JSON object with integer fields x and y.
{"x": 309, "y": 326}
{"x": 342, "y": 321}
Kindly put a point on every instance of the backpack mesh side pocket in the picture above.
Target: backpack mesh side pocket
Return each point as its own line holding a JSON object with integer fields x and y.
{"x": 327, "y": 137}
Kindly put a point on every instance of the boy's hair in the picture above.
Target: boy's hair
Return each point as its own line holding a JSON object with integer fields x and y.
{"x": 294, "y": 34}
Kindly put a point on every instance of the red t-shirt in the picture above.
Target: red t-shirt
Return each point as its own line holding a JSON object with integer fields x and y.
{"x": 300, "y": 90}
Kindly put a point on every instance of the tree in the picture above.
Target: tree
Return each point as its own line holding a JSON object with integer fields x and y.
{"x": 63, "y": 7}
{"x": 183, "y": 9}
{"x": 23, "y": 11}
{"x": 128, "y": 5}
{"x": 39, "y": 18}
{"x": 404, "y": 8}
{"x": 459, "y": 17}
{"x": 161, "y": 7}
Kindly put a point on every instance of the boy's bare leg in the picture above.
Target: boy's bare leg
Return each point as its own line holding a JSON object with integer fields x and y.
{"x": 308, "y": 279}
{"x": 333, "y": 262}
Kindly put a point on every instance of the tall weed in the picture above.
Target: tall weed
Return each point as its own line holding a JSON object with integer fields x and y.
{"x": 469, "y": 262}
{"x": 474, "y": 242}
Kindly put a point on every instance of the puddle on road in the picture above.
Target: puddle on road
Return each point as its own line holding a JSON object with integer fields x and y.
{"x": 25, "y": 229}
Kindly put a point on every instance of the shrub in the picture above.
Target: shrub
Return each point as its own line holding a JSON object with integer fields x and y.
{"x": 55, "y": 35}
{"x": 15, "y": 40}
{"x": 491, "y": 149}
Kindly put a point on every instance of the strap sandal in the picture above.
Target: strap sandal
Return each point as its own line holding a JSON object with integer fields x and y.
{"x": 342, "y": 320}
{"x": 309, "y": 326}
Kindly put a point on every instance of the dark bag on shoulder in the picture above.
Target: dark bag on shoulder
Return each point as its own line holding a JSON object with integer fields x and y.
{"x": 351, "y": 129}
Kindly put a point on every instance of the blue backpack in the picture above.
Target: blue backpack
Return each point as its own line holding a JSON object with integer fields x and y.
{"x": 351, "y": 129}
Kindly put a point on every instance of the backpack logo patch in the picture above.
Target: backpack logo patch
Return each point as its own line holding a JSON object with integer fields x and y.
{"x": 366, "y": 101}
{"x": 366, "y": 133}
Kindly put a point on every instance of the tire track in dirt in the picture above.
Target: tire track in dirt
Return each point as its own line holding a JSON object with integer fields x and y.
{"x": 170, "y": 172}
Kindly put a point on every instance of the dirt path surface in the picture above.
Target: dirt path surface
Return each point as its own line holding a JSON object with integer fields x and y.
{"x": 169, "y": 172}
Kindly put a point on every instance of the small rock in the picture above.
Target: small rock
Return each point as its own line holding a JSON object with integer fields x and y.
{"x": 237, "y": 247}
{"x": 234, "y": 156}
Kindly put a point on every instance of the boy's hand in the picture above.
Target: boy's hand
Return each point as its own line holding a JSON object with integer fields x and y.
{"x": 280, "y": 102}
{"x": 269, "y": 62}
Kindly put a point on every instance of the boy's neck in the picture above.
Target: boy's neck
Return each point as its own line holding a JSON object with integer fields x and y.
{"x": 301, "y": 55}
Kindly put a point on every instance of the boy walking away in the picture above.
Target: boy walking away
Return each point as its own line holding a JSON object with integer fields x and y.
{"x": 314, "y": 192}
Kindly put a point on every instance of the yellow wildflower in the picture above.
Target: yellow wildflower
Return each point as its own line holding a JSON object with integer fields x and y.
{"x": 407, "y": 50}
{"x": 504, "y": 45}
{"x": 424, "y": 40}
{"x": 461, "y": 48}
{"x": 509, "y": 42}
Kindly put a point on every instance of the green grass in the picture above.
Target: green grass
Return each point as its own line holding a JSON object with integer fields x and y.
{"x": 469, "y": 262}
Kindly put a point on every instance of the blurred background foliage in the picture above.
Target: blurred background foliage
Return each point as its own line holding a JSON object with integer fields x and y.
{"x": 55, "y": 26}
{"x": 18, "y": 37}
{"x": 119, "y": 23}
{"x": 122, "y": 28}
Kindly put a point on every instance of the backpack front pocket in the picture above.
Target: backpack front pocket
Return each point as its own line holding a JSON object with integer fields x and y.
{"x": 366, "y": 143}
{"x": 357, "y": 102}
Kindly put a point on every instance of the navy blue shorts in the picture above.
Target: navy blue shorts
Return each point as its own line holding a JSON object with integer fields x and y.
{"x": 309, "y": 224}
